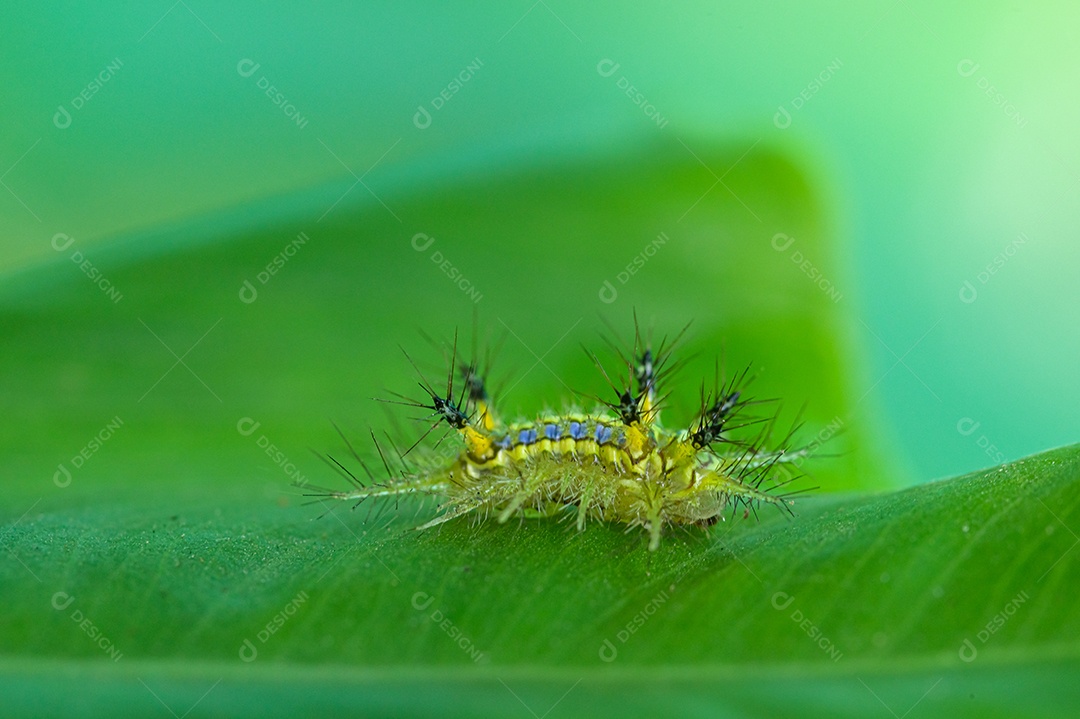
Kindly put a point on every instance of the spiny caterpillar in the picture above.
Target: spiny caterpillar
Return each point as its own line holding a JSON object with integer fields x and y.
{"x": 615, "y": 464}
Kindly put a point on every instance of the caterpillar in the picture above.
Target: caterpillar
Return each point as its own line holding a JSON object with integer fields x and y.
{"x": 615, "y": 464}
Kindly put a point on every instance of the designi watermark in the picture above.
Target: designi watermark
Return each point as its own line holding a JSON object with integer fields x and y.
{"x": 968, "y": 652}
{"x": 62, "y": 475}
{"x": 967, "y": 68}
{"x": 969, "y": 292}
{"x": 422, "y": 242}
{"x": 783, "y": 116}
{"x": 422, "y": 118}
{"x": 248, "y": 292}
{"x": 247, "y": 427}
{"x": 782, "y": 242}
{"x": 826, "y": 433}
{"x": 607, "y": 68}
{"x": 63, "y": 117}
{"x": 62, "y": 600}
{"x": 61, "y": 242}
{"x": 782, "y": 600}
{"x": 968, "y": 426}
{"x": 248, "y": 651}
{"x": 422, "y": 600}
{"x": 609, "y": 652}
{"x": 248, "y": 67}
{"x": 608, "y": 292}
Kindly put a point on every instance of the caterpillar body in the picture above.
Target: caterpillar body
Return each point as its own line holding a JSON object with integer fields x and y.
{"x": 617, "y": 464}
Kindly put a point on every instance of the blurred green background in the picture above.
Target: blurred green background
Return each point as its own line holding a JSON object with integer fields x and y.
{"x": 941, "y": 140}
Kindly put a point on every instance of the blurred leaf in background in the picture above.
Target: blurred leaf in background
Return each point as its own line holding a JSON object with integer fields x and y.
{"x": 224, "y": 221}
{"x": 940, "y": 141}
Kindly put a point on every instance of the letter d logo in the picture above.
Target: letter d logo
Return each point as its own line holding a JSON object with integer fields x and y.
{"x": 422, "y": 118}
{"x": 62, "y": 118}
{"x": 782, "y": 118}
{"x": 247, "y": 67}
{"x": 606, "y": 67}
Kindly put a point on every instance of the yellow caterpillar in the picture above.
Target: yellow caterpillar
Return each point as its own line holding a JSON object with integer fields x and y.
{"x": 618, "y": 464}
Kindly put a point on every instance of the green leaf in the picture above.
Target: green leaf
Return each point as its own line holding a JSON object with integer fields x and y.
{"x": 156, "y": 555}
{"x": 938, "y": 589}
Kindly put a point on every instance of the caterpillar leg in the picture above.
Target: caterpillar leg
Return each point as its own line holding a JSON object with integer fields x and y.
{"x": 583, "y": 507}
{"x": 524, "y": 499}
{"x": 655, "y": 525}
